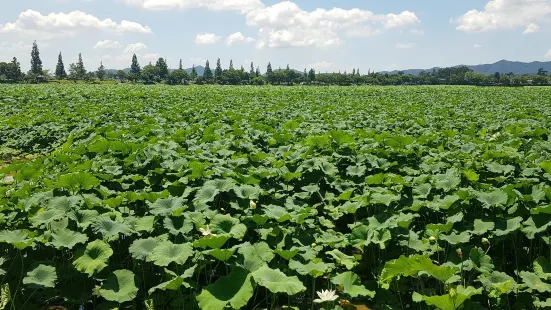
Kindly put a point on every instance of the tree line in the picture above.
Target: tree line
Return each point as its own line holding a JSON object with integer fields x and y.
{"x": 160, "y": 73}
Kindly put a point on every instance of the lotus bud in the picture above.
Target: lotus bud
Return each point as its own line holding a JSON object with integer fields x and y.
{"x": 314, "y": 245}
{"x": 252, "y": 204}
{"x": 485, "y": 241}
{"x": 432, "y": 239}
{"x": 452, "y": 292}
{"x": 459, "y": 252}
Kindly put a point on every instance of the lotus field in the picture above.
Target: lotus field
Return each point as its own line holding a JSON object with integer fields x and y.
{"x": 207, "y": 197}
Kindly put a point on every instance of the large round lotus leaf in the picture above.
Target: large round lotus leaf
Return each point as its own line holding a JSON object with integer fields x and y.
{"x": 277, "y": 282}
{"x": 41, "y": 277}
{"x": 234, "y": 290}
{"x": 108, "y": 227}
{"x": 18, "y": 238}
{"x": 165, "y": 206}
{"x": 46, "y": 217}
{"x": 65, "y": 238}
{"x": 142, "y": 248}
{"x": 64, "y": 204}
{"x": 167, "y": 252}
{"x": 120, "y": 286}
{"x": 94, "y": 258}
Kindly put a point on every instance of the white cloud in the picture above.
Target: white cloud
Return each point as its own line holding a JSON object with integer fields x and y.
{"x": 531, "y": 28}
{"x": 417, "y": 31}
{"x": 286, "y": 24}
{"x": 477, "y": 46}
{"x": 206, "y": 39}
{"x": 134, "y": 47}
{"x": 405, "y": 45}
{"x": 242, "y": 6}
{"x": 238, "y": 37}
{"x": 107, "y": 44}
{"x": 548, "y": 55}
{"x": 34, "y": 24}
{"x": 506, "y": 14}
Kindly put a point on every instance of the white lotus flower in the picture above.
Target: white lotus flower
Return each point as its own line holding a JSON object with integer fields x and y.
{"x": 326, "y": 295}
{"x": 8, "y": 179}
{"x": 252, "y": 204}
{"x": 206, "y": 231}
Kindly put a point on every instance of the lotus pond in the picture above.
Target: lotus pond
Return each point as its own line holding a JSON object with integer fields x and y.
{"x": 156, "y": 197}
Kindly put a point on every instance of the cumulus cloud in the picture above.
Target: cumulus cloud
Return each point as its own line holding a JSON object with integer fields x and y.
{"x": 506, "y": 14}
{"x": 548, "y": 55}
{"x": 238, "y": 37}
{"x": 107, "y": 44}
{"x": 134, "y": 47}
{"x": 206, "y": 39}
{"x": 477, "y": 46}
{"x": 405, "y": 45}
{"x": 242, "y": 6}
{"x": 34, "y": 24}
{"x": 286, "y": 24}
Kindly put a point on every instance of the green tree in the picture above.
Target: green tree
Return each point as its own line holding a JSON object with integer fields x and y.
{"x": 180, "y": 67}
{"x": 257, "y": 73}
{"x": 269, "y": 69}
{"x": 60, "y": 73}
{"x": 162, "y": 68}
{"x": 150, "y": 73}
{"x": 311, "y": 75}
{"x": 101, "y": 72}
{"x": 80, "y": 69}
{"x": 542, "y": 72}
{"x": 193, "y": 75}
{"x": 121, "y": 75}
{"x": 36, "y": 63}
{"x": 13, "y": 71}
{"x": 178, "y": 77}
{"x": 135, "y": 69}
{"x": 251, "y": 72}
{"x": 208, "y": 72}
{"x": 218, "y": 71}
{"x": 231, "y": 65}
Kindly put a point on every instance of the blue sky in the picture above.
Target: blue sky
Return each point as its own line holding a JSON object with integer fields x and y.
{"x": 327, "y": 35}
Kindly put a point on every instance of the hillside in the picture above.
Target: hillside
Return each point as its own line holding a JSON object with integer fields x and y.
{"x": 502, "y": 66}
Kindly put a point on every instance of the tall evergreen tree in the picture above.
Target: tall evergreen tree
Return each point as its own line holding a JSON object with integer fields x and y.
{"x": 60, "y": 73}
{"x": 287, "y": 68}
{"x": 252, "y": 69}
{"x": 257, "y": 71}
{"x": 135, "y": 66}
{"x": 193, "y": 73}
{"x": 180, "y": 67}
{"x": 353, "y": 72}
{"x": 36, "y": 63}
{"x": 218, "y": 70}
{"x": 269, "y": 69}
{"x": 305, "y": 74}
{"x": 14, "y": 70}
{"x": 208, "y": 72}
{"x": 358, "y": 72}
{"x": 101, "y": 72}
{"x": 312, "y": 75}
{"x": 162, "y": 68}
{"x": 231, "y": 64}
{"x": 80, "y": 69}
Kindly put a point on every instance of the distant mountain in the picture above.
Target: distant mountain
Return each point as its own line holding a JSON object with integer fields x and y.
{"x": 502, "y": 66}
{"x": 200, "y": 70}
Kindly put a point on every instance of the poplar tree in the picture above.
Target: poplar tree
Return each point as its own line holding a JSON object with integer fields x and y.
{"x": 60, "y": 72}
{"x": 36, "y": 63}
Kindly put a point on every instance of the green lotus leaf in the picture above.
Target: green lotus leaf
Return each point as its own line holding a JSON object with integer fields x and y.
{"x": 287, "y": 254}
{"x": 145, "y": 223}
{"x": 108, "y": 227}
{"x": 546, "y": 166}
{"x": 142, "y": 248}
{"x": 341, "y": 137}
{"x": 315, "y": 268}
{"x": 351, "y": 285}
{"x": 226, "y": 224}
{"x": 120, "y": 286}
{"x": 84, "y": 218}
{"x": 447, "y": 181}
{"x": 64, "y": 203}
{"x": 167, "y": 252}
{"x": 452, "y": 301}
{"x": 256, "y": 255}
{"x": 175, "y": 283}
{"x": 278, "y": 213}
{"x": 504, "y": 227}
{"x": 247, "y": 192}
{"x": 493, "y": 199}
{"x": 177, "y": 225}
{"x": 206, "y": 194}
{"x": 94, "y": 258}
{"x": 213, "y": 242}
{"x": 499, "y": 169}
{"x": 79, "y": 180}
{"x": 454, "y": 238}
{"x": 481, "y": 227}
{"x": 412, "y": 266}
{"x": 221, "y": 254}
{"x": 234, "y": 290}
{"x": 498, "y": 283}
{"x": 18, "y": 238}
{"x": 532, "y": 282}
{"x": 385, "y": 199}
{"x": 277, "y": 282}
{"x": 41, "y": 277}
{"x": 422, "y": 190}
{"x": 542, "y": 268}
{"x": 543, "y": 304}
{"x": 535, "y": 224}
{"x": 165, "y": 206}
{"x": 348, "y": 261}
{"x": 66, "y": 238}
{"x": 46, "y": 217}
{"x": 481, "y": 261}
{"x": 355, "y": 171}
